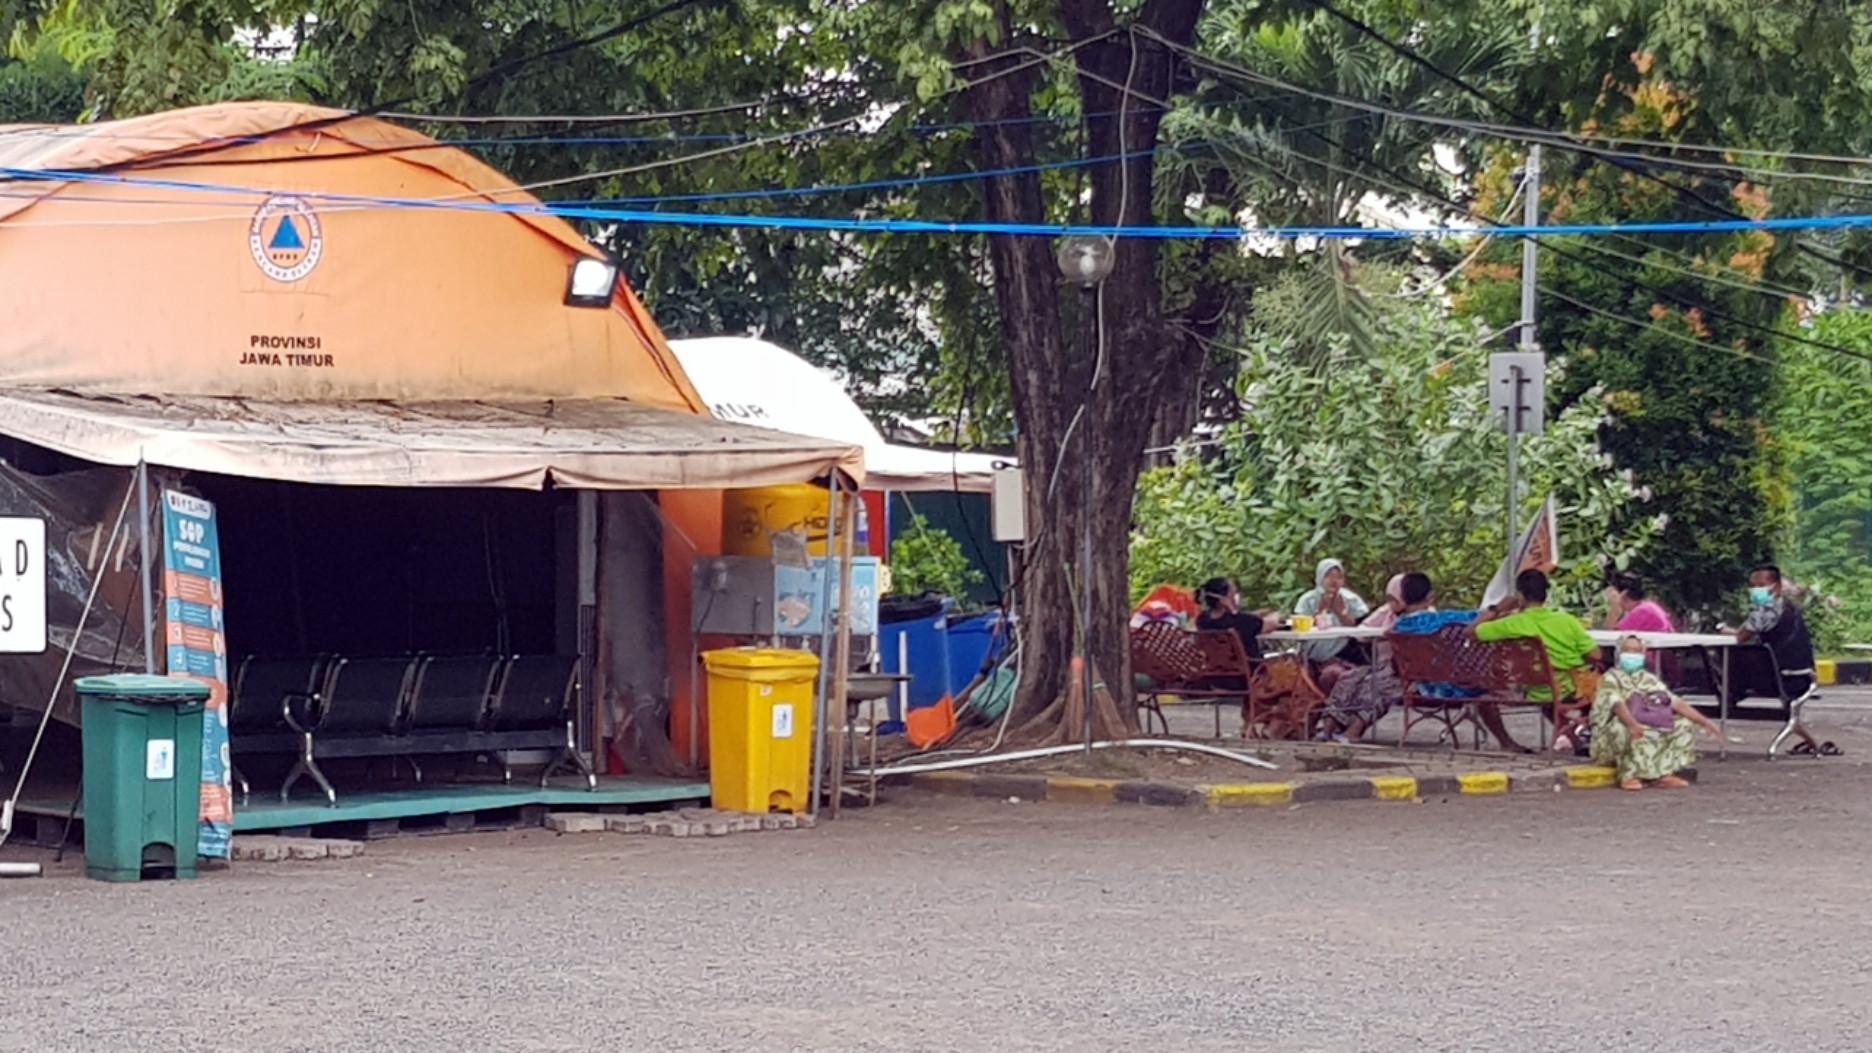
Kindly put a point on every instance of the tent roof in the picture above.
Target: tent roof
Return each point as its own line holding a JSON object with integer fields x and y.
{"x": 579, "y": 443}
{"x": 754, "y": 382}
{"x": 241, "y": 228}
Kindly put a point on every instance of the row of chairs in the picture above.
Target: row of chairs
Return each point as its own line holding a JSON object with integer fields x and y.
{"x": 327, "y": 706}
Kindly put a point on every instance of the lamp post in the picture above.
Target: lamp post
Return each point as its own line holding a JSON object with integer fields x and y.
{"x": 1087, "y": 259}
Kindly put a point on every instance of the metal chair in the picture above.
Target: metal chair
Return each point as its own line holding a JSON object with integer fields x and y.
{"x": 536, "y": 693}
{"x": 1796, "y": 703}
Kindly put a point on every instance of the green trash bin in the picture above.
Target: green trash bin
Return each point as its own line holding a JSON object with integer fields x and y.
{"x": 142, "y": 775}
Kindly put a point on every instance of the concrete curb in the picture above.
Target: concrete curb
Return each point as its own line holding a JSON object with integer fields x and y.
{"x": 1070, "y": 790}
{"x": 1843, "y": 672}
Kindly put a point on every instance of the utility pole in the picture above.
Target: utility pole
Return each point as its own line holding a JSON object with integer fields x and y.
{"x": 1530, "y": 218}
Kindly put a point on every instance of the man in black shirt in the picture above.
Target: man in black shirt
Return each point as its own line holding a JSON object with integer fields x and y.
{"x": 1779, "y": 625}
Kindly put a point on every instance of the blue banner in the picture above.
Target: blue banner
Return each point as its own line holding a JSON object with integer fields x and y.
{"x": 196, "y": 647}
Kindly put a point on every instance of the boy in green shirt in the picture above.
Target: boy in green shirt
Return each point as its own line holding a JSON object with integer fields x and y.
{"x": 1568, "y": 645}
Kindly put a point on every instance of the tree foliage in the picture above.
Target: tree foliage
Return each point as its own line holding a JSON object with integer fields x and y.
{"x": 926, "y": 559}
{"x": 1388, "y": 462}
{"x": 1670, "y": 337}
{"x": 1823, "y": 418}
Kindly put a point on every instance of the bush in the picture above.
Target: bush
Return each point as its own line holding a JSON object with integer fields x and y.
{"x": 926, "y": 559}
{"x": 1390, "y": 463}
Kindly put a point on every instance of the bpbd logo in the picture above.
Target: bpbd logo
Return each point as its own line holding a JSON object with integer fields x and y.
{"x": 285, "y": 238}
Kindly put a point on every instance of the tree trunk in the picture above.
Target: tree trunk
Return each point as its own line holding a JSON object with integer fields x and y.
{"x": 1077, "y": 409}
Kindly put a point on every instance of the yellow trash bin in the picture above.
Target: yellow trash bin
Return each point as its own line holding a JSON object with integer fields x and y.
{"x": 760, "y": 718}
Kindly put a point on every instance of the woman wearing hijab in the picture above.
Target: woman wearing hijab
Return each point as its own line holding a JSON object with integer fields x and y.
{"x": 1331, "y": 604}
{"x": 1640, "y": 728}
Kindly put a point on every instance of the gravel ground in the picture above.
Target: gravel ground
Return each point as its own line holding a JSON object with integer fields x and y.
{"x": 1728, "y": 917}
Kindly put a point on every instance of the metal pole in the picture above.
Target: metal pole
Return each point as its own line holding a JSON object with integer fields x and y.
{"x": 822, "y": 706}
{"x": 1088, "y": 334}
{"x": 1530, "y": 217}
{"x": 145, "y": 557}
{"x": 841, "y": 643}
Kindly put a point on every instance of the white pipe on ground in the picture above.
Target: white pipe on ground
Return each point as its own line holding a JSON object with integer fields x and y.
{"x": 1054, "y": 751}
{"x": 19, "y": 870}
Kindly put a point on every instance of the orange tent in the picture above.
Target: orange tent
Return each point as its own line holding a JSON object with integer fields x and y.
{"x": 209, "y": 258}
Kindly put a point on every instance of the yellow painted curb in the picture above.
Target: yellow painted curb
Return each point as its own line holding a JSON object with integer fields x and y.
{"x": 1591, "y": 778}
{"x": 1482, "y": 782}
{"x": 1234, "y": 795}
{"x": 1069, "y": 790}
{"x": 1394, "y": 788}
{"x": 1826, "y": 671}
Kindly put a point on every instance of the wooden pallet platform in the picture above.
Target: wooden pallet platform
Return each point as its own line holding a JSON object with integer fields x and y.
{"x": 457, "y": 808}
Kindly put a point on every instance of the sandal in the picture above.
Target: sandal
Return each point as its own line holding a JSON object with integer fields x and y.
{"x": 1827, "y": 749}
{"x": 1672, "y": 782}
{"x": 1631, "y": 784}
{"x": 1803, "y": 749}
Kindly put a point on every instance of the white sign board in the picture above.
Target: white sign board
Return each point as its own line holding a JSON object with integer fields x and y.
{"x": 1518, "y": 391}
{"x": 22, "y": 585}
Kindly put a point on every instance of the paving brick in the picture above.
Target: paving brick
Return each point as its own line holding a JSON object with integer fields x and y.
{"x": 1162, "y": 794}
{"x": 1395, "y": 788}
{"x": 572, "y": 822}
{"x": 307, "y": 849}
{"x": 747, "y": 824}
{"x": 257, "y": 850}
{"x": 717, "y": 827}
{"x": 627, "y": 824}
{"x": 344, "y": 849}
{"x": 779, "y": 821}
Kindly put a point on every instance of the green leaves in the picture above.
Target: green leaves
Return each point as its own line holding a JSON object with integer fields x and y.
{"x": 926, "y": 559}
{"x": 1387, "y": 460}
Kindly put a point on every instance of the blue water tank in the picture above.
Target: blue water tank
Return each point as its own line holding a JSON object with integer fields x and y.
{"x": 925, "y": 654}
{"x": 971, "y": 641}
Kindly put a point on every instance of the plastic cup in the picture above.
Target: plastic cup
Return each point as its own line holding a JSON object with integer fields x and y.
{"x": 1303, "y": 623}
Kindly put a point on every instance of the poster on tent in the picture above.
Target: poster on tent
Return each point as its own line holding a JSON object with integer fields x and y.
{"x": 197, "y": 647}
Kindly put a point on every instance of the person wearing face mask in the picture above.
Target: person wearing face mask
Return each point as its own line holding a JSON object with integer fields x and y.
{"x": 1777, "y": 623}
{"x": 1640, "y": 728}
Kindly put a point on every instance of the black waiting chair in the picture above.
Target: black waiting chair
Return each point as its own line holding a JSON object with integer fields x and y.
{"x": 537, "y": 697}
{"x": 266, "y": 690}
{"x": 361, "y": 715}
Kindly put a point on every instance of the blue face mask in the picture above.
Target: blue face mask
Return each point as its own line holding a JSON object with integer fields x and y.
{"x": 1761, "y": 595}
{"x": 1631, "y": 663}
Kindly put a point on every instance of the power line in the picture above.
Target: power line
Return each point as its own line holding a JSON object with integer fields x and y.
{"x": 459, "y": 202}
{"x": 1525, "y": 134}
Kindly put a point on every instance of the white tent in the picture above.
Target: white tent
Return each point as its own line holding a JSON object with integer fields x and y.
{"x": 750, "y": 381}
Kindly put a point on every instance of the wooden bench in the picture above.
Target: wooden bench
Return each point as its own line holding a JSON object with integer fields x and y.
{"x": 1277, "y": 696}
{"x": 1496, "y": 672}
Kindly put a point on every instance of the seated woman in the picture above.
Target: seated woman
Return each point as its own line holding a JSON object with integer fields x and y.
{"x": 1642, "y": 729}
{"x": 1219, "y": 604}
{"x": 1629, "y": 611}
{"x": 1331, "y": 604}
{"x": 1277, "y": 704}
{"x": 1363, "y": 696}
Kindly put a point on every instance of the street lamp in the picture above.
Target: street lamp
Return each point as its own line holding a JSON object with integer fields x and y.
{"x": 1087, "y": 260}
